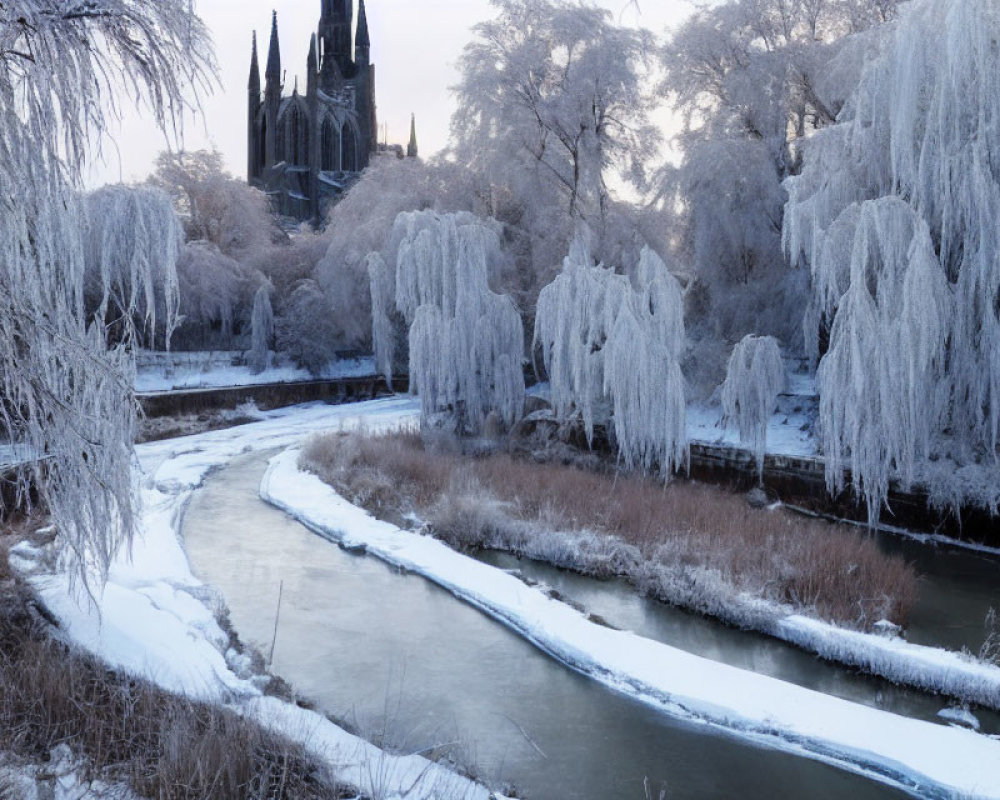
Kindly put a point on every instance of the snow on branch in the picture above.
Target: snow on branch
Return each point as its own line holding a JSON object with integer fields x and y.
{"x": 895, "y": 212}
{"x": 466, "y": 343}
{"x": 67, "y": 376}
{"x": 612, "y": 350}
{"x": 754, "y": 379}
{"x": 132, "y": 243}
{"x": 67, "y": 67}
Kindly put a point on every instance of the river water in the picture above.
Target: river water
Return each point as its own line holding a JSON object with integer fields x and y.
{"x": 411, "y": 667}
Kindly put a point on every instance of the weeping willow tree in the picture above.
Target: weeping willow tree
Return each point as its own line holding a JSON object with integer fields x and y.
{"x": 755, "y": 377}
{"x": 896, "y": 215}
{"x": 132, "y": 241}
{"x": 261, "y": 329}
{"x": 466, "y": 342}
{"x": 67, "y": 382}
{"x": 612, "y": 349}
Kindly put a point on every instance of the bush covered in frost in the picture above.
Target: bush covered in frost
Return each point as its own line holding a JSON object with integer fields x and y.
{"x": 466, "y": 344}
{"x": 262, "y": 330}
{"x": 755, "y": 377}
{"x": 612, "y": 349}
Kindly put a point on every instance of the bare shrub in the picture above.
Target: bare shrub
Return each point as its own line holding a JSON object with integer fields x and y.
{"x": 990, "y": 651}
{"x": 687, "y": 543}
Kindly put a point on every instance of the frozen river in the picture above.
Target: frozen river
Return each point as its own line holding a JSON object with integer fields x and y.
{"x": 414, "y": 668}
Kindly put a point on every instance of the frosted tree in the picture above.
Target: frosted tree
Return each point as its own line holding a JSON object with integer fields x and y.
{"x": 67, "y": 392}
{"x": 215, "y": 206}
{"x": 575, "y": 316}
{"x": 755, "y": 377}
{"x": 753, "y": 79}
{"x": 305, "y": 328}
{"x": 466, "y": 343}
{"x": 261, "y": 330}
{"x": 906, "y": 187}
{"x": 553, "y": 102}
{"x": 132, "y": 243}
{"x": 362, "y": 222}
{"x": 612, "y": 351}
{"x": 214, "y": 289}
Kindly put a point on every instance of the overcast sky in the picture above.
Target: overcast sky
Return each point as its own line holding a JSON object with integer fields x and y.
{"x": 415, "y": 47}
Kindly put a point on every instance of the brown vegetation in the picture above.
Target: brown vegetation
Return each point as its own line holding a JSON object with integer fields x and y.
{"x": 652, "y": 533}
{"x": 126, "y": 730}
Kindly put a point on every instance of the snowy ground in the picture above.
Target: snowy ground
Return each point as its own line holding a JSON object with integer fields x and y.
{"x": 155, "y": 619}
{"x": 165, "y": 372}
{"x": 930, "y": 759}
{"x": 61, "y": 778}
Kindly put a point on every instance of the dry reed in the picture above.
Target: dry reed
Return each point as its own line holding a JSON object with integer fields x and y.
{"x": 833, "y": 571}
{"x": 126, "y": 730}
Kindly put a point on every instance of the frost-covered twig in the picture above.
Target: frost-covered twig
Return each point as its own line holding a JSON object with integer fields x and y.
{"x": 612, "y": 353}
{"x": 754, "y": 379}
{"x": 895, "y": 212}
{"x": 466, "y": 342}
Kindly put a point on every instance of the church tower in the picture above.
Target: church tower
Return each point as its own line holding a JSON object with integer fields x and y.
{"x": 336, "y": 27}
{"x": 306, "y": 150}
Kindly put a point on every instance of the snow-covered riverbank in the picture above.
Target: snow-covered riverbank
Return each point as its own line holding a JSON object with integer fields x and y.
{"x": 930, "y": 759}
{"x": 155, "y": 619}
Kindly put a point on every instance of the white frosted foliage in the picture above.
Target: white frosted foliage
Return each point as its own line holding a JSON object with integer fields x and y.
{"x": 612, "y": 352}
{"x": 882, "y": 389}
{"x": 896, "y": 213}
{"x": 466, "y": 342}
{"x": 755, "y": 377}
{"x": 132, "y": 244}
{"x": 261, "y": 330}
{"x": 67, "y": 373}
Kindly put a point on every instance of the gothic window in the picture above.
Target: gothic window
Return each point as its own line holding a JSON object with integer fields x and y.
{"x": 349, "y": 159}
{"x": 261, "y": 145}
{"x": 297, "y": 144}
{"x": 280, "y": 138}
{"x": 330, "y": 143}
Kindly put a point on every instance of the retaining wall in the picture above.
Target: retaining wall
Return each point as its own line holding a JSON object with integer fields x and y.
{"x": 268, "y": 396}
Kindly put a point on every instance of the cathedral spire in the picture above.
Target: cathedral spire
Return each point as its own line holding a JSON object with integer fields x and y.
{"x": 411, "y": 149}
{"x": 312, "y": 68}
{"x": 362, "y": 39}
{"x": 254, "y": 83}
{"x": 274, "y": 53}
{"x": 312, "y": 62}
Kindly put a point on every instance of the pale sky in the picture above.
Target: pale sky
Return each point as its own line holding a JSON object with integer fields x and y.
{"x": 415, "y": 46}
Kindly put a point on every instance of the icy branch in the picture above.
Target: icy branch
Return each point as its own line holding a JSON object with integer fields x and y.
{"x": 754, "y": 379}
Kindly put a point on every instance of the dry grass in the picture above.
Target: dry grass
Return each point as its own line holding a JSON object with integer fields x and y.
{"x": 833, "y": 571}
{"x": 126, "y": 730}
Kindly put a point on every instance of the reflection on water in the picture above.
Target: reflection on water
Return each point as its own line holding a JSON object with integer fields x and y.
{"x": 413, "y": 665}
{"x": 957, "y": 590}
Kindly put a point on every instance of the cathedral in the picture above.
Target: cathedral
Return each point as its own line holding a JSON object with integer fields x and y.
{"x": 305, "y": 150}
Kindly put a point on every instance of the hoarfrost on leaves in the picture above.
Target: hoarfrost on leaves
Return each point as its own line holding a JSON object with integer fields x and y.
{"x": 612, "y": 354}
{"x": 755, "y": 377}
{"x": 67, "y": 390}
{"x": 132, "y": 243}
{"x": 466, "y": 343}
{"x": 908, "y": 186}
